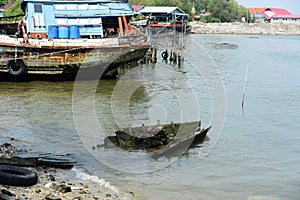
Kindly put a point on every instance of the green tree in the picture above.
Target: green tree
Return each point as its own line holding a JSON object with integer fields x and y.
{"x": 3, "y": 3}
{"x": 200, "y": 6}
{"x": 13, "y": 11}
{"x": 226, "y": 10}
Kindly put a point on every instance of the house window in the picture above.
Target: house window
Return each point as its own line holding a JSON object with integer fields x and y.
{"x": 38, "y": 16}
{"x": 38, "y": 8}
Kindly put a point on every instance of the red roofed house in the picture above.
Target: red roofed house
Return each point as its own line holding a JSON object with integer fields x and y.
{"x": 280, "y": 15}
{"x": 273, "y": 15}
{"x": 137, "y": 8}
{"x": 254, "y": 11}
{"x": 257, "y": 14}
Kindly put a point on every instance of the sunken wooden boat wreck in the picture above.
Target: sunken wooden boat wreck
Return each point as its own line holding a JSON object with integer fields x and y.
{"x": 159, "y": 139}
{"x": 59, "y": 37}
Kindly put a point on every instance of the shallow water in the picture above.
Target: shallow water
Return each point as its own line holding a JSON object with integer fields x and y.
{"x": 257, "y": 151}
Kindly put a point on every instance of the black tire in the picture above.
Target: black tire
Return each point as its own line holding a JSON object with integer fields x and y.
{"x": 16, "y": 67}
{"x": 165, "y": 55}
{"x": 17, "y": 176}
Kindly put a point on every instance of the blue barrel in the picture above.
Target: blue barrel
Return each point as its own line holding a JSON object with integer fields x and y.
{"x": 52, "y": 31}
{"x": 63, "y": 32}
{"x": 74, "y": 31}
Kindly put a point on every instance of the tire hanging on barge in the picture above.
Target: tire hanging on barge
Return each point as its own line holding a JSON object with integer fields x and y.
{"x": 165, "y": 55}
{"x": 16, "y": 67}
{"x": 17, "y": 176}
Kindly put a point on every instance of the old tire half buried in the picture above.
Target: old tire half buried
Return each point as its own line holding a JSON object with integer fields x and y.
{"x": 16, "y": 67}
{"x": 17, "y": 176}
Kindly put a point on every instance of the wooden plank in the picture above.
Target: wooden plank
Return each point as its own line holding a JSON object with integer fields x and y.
{"x": 29, "y": 160}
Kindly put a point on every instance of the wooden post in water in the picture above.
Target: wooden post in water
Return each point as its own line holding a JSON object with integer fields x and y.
{"x": 173, "y": 38}
{"x": 174, "y": 57}
{"x": 121, "y": 26}
{"x": 171, "y": 55}
{"x": 182, "y": 54}
{"x": 125, "y": 24}
{"x": 154, "y": 53}
{"x": 179, "y": 57}
{"x": 245, "y": 84}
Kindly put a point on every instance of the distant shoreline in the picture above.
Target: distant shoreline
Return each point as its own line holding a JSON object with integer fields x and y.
{"x": 246, "y": 28}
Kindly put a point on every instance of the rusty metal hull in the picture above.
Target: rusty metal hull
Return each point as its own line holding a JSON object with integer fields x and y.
{"x": 66, "y": 57}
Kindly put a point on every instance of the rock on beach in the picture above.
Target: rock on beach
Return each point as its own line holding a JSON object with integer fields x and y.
{"x": 59, "y": 184}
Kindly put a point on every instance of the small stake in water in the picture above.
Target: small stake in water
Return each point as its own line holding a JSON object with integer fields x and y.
{"x": 245, "y": 84}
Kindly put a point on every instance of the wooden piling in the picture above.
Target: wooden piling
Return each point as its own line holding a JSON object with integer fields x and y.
{"x": 171, "y": 55}
{"x": 154, "y": 55}
{"x": 245, "y": 85}
{"x": 125, "y": 24}
{"x": 121, "y": 26}
{"x": 174, "y": 57}
{"x": 179, "y": 59}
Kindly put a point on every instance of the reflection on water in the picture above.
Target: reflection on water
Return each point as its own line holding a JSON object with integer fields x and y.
{"x": 255, "y": 156}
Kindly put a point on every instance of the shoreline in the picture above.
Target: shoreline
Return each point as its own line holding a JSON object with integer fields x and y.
{"x": 61, "y": 184}
{"x": 246, "y": 28}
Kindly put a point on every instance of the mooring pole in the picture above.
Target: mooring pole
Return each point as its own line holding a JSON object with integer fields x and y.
{"x": 245, "y": 84}
{"x": 121, "y": 26}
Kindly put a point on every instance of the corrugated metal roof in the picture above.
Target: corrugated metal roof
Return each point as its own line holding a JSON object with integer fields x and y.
{"x": 159, "y": 9}
{"x": 104, "y": 1}
{"x": 269, "y": 13}
{"x": 279, "y": 11}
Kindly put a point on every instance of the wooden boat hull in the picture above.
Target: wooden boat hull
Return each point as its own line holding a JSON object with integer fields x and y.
{"x": 159, "y": 140}
{"x": 178, "y": 147}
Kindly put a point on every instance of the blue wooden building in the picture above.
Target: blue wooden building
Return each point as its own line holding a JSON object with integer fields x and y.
{"x": 93, "y": 17}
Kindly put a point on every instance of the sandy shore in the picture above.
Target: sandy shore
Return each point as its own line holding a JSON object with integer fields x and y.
{"x": 246, "y": 28}
{"x": 62, "y": 184}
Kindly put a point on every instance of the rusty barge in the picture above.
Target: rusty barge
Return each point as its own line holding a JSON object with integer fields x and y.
{"x": 59, "y": 38}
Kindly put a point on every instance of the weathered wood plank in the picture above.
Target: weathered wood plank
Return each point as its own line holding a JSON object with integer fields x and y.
{"x": 28, "y": 160}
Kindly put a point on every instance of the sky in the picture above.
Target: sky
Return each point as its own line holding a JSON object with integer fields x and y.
{"x": 292, "y": 6}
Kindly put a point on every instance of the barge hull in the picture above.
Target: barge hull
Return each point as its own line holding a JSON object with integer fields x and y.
{"x": 63, "y": 60}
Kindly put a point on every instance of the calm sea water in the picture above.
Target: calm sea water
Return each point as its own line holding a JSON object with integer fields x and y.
{"x": 251, "y": 154}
